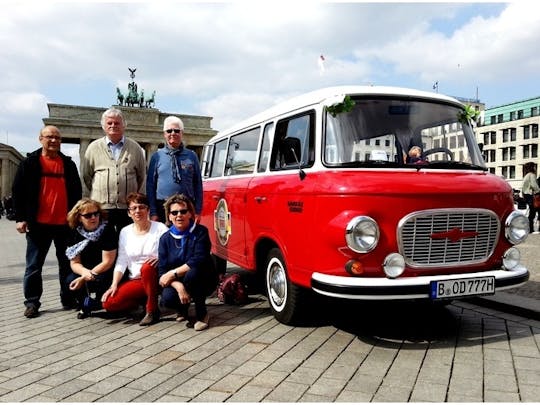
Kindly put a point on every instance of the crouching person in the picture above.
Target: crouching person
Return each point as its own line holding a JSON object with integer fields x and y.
{"x": 135, "y": 279}
{"x": 186, "y": 270}
{"x": 92, "y": 251}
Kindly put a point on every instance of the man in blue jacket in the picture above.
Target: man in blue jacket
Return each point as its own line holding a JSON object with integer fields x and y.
{"x": 45, "y": 188}
{"x": 173, "y": 169}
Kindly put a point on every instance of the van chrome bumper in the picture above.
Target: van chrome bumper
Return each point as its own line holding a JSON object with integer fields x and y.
{"x": 379, "y": 288}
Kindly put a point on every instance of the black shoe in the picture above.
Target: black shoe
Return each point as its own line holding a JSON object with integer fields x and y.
{"x": 150, "y": 318}
{"x": 83, "y": 314}
{"x": 31, "y": 312}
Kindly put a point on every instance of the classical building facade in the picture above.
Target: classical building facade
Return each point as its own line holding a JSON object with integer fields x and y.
{"x": 9, "y": 162}
{"x": 81, "y": 125}
{"x": 509, "y": 136}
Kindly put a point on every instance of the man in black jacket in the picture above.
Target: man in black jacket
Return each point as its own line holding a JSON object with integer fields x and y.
{"x": 46, "y": 187}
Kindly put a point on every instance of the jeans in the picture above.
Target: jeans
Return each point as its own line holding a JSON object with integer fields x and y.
{"x": 38, "y": 241}
{"x": 195, "y": 286}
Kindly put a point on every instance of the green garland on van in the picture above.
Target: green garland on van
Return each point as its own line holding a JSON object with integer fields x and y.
{"x": 469, "y": 114}
{"x": 345, "y": 106}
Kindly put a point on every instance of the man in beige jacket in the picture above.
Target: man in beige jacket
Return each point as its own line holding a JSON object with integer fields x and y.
{"x": 113, "y": 167}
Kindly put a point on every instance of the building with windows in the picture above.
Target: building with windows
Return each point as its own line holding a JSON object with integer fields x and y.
{"x": 509, "y": 137}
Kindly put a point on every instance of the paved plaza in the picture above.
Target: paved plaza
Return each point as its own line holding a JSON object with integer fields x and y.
{"x": 468, "y": 351}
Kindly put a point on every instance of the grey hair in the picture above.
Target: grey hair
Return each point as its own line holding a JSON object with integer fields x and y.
{"x": 111, "y": 112}
{"x": 171, "y": 119}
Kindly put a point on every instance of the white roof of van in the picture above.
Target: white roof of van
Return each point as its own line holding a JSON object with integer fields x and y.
{"x": 317, "y": 96}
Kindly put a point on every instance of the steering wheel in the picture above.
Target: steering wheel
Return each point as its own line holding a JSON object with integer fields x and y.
{"x": 446, "y": 151}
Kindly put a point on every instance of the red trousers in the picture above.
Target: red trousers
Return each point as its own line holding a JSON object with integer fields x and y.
{"x": 131, "y": 293}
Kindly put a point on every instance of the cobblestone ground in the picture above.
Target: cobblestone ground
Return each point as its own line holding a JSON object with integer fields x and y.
{"x": 530, "y": 251}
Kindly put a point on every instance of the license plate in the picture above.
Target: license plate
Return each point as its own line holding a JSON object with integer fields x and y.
{"x": 462, "y": 287}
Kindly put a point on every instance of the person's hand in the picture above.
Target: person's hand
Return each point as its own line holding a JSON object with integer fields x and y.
{"x": 166, "y": 279}
{"x": 182, "y": 293}
{"x": 88, "y": 276}
{"x": 77, "y": 283}
{"x": 22, "y": 227}
{"x": 109, "y": 293}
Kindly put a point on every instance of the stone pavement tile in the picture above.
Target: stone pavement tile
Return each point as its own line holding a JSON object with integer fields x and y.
{"x": 66, "y": 389}
{"x": 378, "y": 361}
{"x": 230, "y": 383}
{"x": 129, "y": 360}
{"x": 138, "y": 370}
{"x": 527, "y": 377}
{"x": 250, "y": 368}
{"x": 122, "y": 394}
{"x": 62, "y": 376}
{"x": 392, "y": 394}
{"x": 101, "y": 373}
{"x": 24, "y": 393}
{"x": 466, "y": 386}
{"x": 338, "y": 371}
{"x": 498, "y": 396}
{"x": 164, "y": 357}
{"x": 192, "y": 387}
{"x": 217, "y": 371}
{"x": 286, "y": 392}
{"x": 499, "y": 367}
{"x": 285, "y": 363}
{"x": 427, "y": 391}
{"x": 269, "y": 378}
{"x": 353, "y": 396}
{"x": 164, "y": 388}
{"x": 401, "y": 376}
{"x": 310, "y": 398}
{"x": 435, "y": 374}
{"x": 173, "y": 399}
{"x": 497, "y": 354}
{"x": 174, "y": 367}
{"x": 305, "y": 375}
{"x": 20, "y": 369}
{"x": 326, "y": 387}
{"x": 210, "y": 396}
{"x": 108, "y": 385}
{"x": 529, "y": 392}
{"x": 460, "y": 397}
{"x": 527, "y": 363}
{"x": 83, "y": 396}
{"x": 148, "y": 381}
{"x": 250, "y": 393}
{"x": 22, "y": 380}
{"x": 366, "y": 383}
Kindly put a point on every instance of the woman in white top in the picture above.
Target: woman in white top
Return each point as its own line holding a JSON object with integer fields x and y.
{"x": 529, "y": 188}
{"x": 137, "y": 253}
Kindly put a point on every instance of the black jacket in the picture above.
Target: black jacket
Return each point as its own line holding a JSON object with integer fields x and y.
{"x": 26, "y": 186}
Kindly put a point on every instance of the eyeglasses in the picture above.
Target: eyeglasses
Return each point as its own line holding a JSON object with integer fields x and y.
{"x": 137, "y": 207}
{"x": 52, "y": 137}
{"x": 175, "y": 130}
{"x": 176, "y": 212}
{"x": 89, "y": 215}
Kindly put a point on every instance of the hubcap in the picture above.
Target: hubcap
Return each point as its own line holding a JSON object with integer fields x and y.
{"x": 277, "y": 284}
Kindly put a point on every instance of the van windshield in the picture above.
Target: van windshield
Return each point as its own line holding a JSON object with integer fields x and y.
{"x": 400, "y": 132}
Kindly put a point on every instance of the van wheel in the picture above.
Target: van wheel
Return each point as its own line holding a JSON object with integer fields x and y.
{"x": 283, "y": 296}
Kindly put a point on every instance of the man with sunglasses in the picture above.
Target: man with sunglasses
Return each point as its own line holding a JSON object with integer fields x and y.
{"x": 45, "y": 188}
{"x": 173, "y": 169}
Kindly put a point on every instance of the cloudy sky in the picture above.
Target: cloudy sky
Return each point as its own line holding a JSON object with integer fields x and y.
{"x": 230, "y": 60}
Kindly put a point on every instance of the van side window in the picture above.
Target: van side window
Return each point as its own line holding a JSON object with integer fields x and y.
{"x": 294, "y": 142}
{"x": 265, "y": 148}
{"x": 242, "y": 152}
{"x": 218, "y": 158}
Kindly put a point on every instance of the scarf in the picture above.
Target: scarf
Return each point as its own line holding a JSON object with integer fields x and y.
{"x": 173, "y": 153}
{"x": 75, "y": 250}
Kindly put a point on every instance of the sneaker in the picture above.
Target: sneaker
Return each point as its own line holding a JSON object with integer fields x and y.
{"x": 202, "y": 325}
{"x": 150, "y": 318}
{"x": 180, "y": 317}
{"x": 31, "y": 312}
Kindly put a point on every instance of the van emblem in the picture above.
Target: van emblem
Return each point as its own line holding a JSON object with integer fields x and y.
{"x": 222, "y": 222}
{"x": 455, "y": 235}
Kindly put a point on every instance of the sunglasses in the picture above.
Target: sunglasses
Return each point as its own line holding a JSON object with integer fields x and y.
{"x": 89, "y": 215}
{"x": 176, "y": 212}
{"x": 176, "y": 131}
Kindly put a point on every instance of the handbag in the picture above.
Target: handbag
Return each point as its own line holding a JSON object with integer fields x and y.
{"x": 536, "y": 200}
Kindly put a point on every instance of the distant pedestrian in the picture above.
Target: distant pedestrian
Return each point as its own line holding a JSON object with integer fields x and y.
{"x": 45, "y": 187}
{"x": 529, "y": 188}
{"x": 113, "y": 167}
{"x": 173, "y": 169}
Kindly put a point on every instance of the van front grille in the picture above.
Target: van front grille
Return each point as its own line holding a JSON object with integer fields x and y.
{"x": 448, "y": 237}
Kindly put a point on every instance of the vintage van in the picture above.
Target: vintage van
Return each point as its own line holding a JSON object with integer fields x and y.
{"x": 318, "y": 193}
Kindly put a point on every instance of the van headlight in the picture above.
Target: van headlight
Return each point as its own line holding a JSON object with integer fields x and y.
{"x": 516, "y": 227}
{"x": 362, "y": 234}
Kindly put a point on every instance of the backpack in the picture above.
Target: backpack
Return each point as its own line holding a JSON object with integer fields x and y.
{"x": 232, "y": 290}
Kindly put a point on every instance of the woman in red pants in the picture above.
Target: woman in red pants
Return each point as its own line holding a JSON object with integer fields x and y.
{"x": 137, "y": 253}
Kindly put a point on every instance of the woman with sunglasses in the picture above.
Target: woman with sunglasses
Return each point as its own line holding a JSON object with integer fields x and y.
{"x": 186, "y": 270}
{"x": 173, "y": 169}
{"x": 91, "y": 252}
{"x": 135, "y": 279}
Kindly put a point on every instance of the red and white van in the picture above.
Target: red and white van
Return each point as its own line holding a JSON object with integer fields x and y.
{"x": 319, "y": 193}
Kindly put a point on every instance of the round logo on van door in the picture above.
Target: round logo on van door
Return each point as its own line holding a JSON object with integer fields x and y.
{"x": 222, "y": 222}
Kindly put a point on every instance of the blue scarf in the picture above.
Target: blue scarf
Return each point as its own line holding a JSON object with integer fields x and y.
{"x": 75, "y": 250}
{"x": 174, "y": 163}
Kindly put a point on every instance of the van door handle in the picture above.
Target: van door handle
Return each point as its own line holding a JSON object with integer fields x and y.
{"x": 260, "y": 199}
